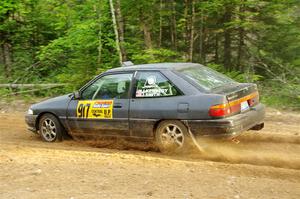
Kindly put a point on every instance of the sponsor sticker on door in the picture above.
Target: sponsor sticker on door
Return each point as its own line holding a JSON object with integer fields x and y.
{"x": 95, "y": 109}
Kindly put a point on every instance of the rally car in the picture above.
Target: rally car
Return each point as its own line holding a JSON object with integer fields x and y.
{"x": 165, "y": 102}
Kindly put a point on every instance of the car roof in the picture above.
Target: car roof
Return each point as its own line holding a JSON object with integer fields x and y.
{"x": 155, "y": 66}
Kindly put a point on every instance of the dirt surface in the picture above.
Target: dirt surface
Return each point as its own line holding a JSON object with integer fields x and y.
{"x": 262, "y": 165}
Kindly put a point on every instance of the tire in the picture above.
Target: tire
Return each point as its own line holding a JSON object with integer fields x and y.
{"x": 172, "y": 136}
{"x": 50, "y": 128}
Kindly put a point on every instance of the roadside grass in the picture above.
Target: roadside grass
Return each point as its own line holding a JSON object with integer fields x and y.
{"x": 281, "y": 102}
{"x": 279, "y": 97}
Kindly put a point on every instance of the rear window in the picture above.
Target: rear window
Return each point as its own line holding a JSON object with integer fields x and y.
{"x": 206, "y": 77}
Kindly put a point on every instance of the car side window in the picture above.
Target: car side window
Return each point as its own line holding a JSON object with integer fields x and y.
{"x": 154, "y": 84}
{"x": 109, "y": 87}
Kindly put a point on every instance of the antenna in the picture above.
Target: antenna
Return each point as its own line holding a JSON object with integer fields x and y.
{"x": 127, "y": 63}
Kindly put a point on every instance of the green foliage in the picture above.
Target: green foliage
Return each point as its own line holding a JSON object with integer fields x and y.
{"x": 74, "y": 55}
{"x": 156, "y": 56}
{"x": 71, "y": 41}
{"x": 281, "y": 96}
{"x": 4, "y": 92}
{"x": 237, "y": 75}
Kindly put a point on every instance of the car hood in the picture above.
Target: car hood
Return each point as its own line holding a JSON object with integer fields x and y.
{"x": 52, "y": 102}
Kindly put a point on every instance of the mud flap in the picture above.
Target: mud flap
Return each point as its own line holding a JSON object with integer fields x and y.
{"x": 200, "y": 148}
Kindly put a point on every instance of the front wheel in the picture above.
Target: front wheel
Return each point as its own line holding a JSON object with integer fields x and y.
{"x": 50, "y": 128}
{"x": 171, "y": 136}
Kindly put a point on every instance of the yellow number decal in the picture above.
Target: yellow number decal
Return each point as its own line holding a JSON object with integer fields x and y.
{"x": 102, "y": 109}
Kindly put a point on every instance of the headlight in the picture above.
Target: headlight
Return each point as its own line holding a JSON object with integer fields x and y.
{"x": 30, "y": 112}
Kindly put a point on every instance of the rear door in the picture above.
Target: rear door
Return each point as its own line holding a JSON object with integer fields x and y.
{"x": 103, "y": 107}
{"x": 154, "y": 98}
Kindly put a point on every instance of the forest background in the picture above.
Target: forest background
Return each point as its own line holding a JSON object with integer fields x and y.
{"x": 70, "y": 41}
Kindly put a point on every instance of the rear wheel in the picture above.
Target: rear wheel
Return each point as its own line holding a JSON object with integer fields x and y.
{"x": 50, "y": 128}
{"x": 171, "y": 136}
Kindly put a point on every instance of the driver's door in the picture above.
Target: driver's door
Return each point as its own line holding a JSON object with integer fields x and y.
{"x": 103, "y": 107}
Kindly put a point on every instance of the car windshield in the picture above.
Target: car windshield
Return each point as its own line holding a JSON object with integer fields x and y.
{"x": 206, "y": 77}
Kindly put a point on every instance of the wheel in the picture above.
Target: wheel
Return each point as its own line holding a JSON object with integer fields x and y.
{"x": 172, "y": 136}
{"x": 50, "y": 128}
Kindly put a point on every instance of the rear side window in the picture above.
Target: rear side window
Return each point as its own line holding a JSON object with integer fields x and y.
{"x": 154, "y": 84}
{"x": 206, "y": 77}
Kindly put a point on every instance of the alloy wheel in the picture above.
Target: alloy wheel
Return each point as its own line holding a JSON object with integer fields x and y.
{"x": 172, "y": 136}
{"x": 48, "y": 130}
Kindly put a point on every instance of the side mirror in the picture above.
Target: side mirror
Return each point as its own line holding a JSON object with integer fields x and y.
{"x": 76, "y": 95}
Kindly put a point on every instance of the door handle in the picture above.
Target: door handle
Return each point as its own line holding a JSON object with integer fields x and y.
{"x": 118, "y": 105}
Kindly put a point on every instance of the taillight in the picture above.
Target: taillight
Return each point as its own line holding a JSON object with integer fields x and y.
{"x": 219, "y": 110}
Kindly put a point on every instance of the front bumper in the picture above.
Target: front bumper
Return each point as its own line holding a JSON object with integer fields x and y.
{"x": 31, "y": 122}
{"x": 230, "y": 126}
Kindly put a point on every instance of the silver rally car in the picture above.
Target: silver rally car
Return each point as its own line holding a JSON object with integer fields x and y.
{"x": 164, "y": 102}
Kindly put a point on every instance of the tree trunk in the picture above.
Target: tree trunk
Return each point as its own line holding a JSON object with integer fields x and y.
{"x": 227, "y": 37}
{"x": 240, "y": 55}
{"x": 241, "y": 30}
{"x": 112, "y": 10}
{"x": 1, "y": 50}
{"x": 160, "y": 23}
{"x": 204, "y": 41}
{"x": 146, "y": 31}
{"x": 6, "y": 50}
{"x": 201, "y": 40}
{"x": 173, "y": 25}
{"x": 192, "y": 30}
{"x": 186, "y": 25}
{"x": 121, "y": 30}
{"x": 147, "y": 36}
{"x": 98, "y": 10}
{"x": 217, "y": 48}
{"x": 7, "y": 60}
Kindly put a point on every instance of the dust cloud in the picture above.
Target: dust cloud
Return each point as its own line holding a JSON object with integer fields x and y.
{"x": 254, "y": 149}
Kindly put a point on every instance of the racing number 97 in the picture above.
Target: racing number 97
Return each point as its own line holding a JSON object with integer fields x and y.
{"x": 83, "y": 110}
